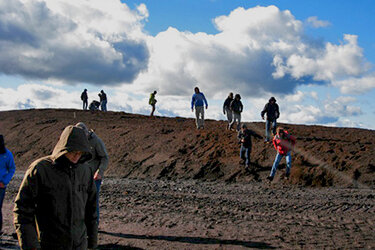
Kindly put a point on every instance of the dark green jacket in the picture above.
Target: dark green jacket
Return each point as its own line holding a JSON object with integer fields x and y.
{"x": 58, "y": 198}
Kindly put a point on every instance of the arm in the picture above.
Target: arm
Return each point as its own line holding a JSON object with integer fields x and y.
{"x": 205, "y": 101}
{"x": 275, "y": 144}
{"x": 241, "y": 107}
{"x": 277, "y": 115}
{"x": 11, "y": 167}
{"x": 91, "y": 216}
{"x": 264, "y": 110}
{"x": 25, "y": 209}
{"x": 192, "y": 102}
{"x": 103, "y": 155}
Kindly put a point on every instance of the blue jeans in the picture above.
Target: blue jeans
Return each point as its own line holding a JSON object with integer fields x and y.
{"x": 2, "y": 194}
{"x": 245, "y": 155}
{"x": 104, "y": 105}
{"x": 98, "y": 183}
{"x": 288, "y": 158}
{"x": 268, "y": 127}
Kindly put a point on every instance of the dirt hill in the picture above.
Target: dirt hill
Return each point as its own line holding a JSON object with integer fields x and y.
{"x": 171, "y": 148}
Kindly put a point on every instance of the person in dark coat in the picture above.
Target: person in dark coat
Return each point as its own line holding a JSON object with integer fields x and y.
{"x": 94, "y": 105}
{"x": 244, "y": 137}
{"x": 226, "y": 109}
{"x": 84, "y": 99}
{"x": 152, "y": 101}
{"x": 55, "y": 207}
{"x": 273, "y": 113}
{"x": 103, "y": 100}
{"x": 237, "y": 108}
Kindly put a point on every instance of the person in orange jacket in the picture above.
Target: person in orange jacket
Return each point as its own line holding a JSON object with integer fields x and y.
{"x": 284, "y": 143}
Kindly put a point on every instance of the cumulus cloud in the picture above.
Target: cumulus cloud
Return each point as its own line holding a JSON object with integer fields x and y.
{"x": 256, "y": 51}
{"x": 77, "y": 41}
{"x": 316, "y": 23}
{"x": 356, "y": 85}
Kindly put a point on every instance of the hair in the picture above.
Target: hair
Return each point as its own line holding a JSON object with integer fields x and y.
{"x": 237, "y": 96}
{"x": 243, "y": 125}
{"x": 2, "y": 145}
{"x": 155, "y": 92}
{"x": 272, "y": 99}
{"x": 196, "y": 88}
{"x": 230, "y": 94}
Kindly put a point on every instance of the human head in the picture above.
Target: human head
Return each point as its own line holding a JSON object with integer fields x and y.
{"x": 196, "y": 89}
{"x": 230, "y": 95}
{"x": 272, "y": 100}
{"x": 243, "y": 127}
{"x": 155, "y": 92}
{"x": 2, "y": 145}
{"x": 85, "y": 90}
{"x": 74, "y": 156}
{"x": 101, "y": 91}
{"x": 84, "y": 127}
{"x": 280, "y": 132}
{"x": 237, "y": 96}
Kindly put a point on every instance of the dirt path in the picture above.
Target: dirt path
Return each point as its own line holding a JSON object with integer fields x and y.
{"x": 196, "y": 215}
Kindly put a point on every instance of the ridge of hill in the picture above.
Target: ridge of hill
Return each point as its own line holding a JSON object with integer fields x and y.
{"x": 171, "y": 148}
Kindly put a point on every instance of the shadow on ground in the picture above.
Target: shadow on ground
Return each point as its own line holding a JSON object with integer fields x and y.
{"x": 193, "y": 240}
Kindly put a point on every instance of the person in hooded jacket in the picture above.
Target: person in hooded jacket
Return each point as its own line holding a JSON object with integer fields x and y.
{"x": 272, "y": 110}
{"x": 283, "y": 143}
{"x": 197, "y": 101}
{"x": 103, "y": 100}
{"x": 227, "y": 110}
{"x": 7, "y": 169}
{"x": 152, "y": 101}
{"x": 84, "y": 99}
{"x": 99, "y": 160}
{"x": 244, "y": 138}
{"x": 237, "y": 108}
{"x": 55, "y": 207}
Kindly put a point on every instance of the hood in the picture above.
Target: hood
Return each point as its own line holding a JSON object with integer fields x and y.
{"x": 272, "y": 99}
{"x": 72, "y": 139}
{"x": 2, "y": 145}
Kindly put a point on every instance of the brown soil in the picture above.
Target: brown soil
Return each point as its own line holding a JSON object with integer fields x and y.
{"x": 170, "y": 186}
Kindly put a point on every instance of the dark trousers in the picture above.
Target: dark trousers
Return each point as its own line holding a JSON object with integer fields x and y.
{"x": 2, "y": 194}
{"x": 98, "y": 183}
{"x": 84, "y": 104}
{"x": 245, "y": 155}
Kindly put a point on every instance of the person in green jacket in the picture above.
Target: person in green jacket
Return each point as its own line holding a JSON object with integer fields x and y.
{"x": 55, "y": 207}
{"x": 152, "y": 101}
{"x": 99, "y": 160}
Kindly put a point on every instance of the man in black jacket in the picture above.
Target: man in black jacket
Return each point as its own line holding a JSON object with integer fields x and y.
{"x": 237, "y": 108}
{"x": 273, "y": 113}
{"x": 244, "y": 137}
{"x": 84, "y": 99}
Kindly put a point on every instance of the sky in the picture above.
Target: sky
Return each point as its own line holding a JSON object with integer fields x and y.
{"x": 315, "y": 57}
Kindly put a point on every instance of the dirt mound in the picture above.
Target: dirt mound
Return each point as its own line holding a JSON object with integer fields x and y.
{"x": 171, "y": 148}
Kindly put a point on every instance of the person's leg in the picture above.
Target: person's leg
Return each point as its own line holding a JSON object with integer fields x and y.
{"x": 238, "y": 122}
{"x": 2, "y": 194}
{"x": 234, "y": 120}
{"x": 229, "y": 115}
{"x": 202, "y": 121}
{"x": 247, "y": 154}
{"x": 98, "y": 183}
{"x": 105, "y": 105}
{"x": 276, "y": 164}
{"x": 267, "y": 130}
{"x": 152, "y": 110}
{"x": 242, "y": 153}
{"x": 197, "y": 116}
{"x": 274, "y": 124}
{"x": 288, "y": 159}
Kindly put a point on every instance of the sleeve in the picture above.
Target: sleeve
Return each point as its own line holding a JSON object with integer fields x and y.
{"x": 231, "y": 105}
{"x": 91, "y": 215}
{"x": 241, "y": 106}
{"x": 274, "y": 143}
{"x": 264, "y": 110}
{"x": 204, "y": 99}
{"x": 103, "y": 155}
{"x": 24, "y": 211}
{"x": 192, "y": 101}
{"x": 11, "y": 167}
{"x": 277, "y": 112}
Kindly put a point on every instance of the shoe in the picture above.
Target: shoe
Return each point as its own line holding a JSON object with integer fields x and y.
{"x": 270, "y": 178}
{"x": 287, "y": 176}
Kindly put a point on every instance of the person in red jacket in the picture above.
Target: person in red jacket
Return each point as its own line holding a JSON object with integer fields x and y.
{"x": 284, "y": 143}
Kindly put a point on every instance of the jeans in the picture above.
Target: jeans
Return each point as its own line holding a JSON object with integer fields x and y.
{"x": 288, "y": 158}
{"x": 84, "y": 104}
{"x": 236, "y": 117}
{"x": 229, "y": 115}
{"x": 245, "y": 155}
{"x": 104, "y": 105}
{"x": 268, "y": 127}
{"x": 2, "y": 194}
{"x": 98, "y": 183}
{"x": 199, "y": 116}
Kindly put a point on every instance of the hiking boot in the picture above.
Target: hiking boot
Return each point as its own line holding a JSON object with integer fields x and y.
{"x": 270, "y": 178}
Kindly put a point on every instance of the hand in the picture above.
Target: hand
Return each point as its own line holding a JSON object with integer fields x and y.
{"x": 262, "y": 117}
{"x": 2, "y": 185}
{"x": 192, "y": 110}
{"x": 206, "y": 107}
{"x": 97, "y": 176}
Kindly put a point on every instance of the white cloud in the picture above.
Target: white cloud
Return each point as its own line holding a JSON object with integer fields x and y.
{"x": 99, "y": 42}
{"x": 354, "y": 85}
{"x": 316, "y": 23}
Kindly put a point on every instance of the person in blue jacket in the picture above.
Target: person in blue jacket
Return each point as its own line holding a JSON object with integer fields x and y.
{"x": 7, "y": 169}
{"x": 197, "y": 101}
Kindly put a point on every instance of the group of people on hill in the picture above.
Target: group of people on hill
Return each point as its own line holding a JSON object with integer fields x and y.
{"x": 94, "y": 105}
{"x": 57, "y": 205}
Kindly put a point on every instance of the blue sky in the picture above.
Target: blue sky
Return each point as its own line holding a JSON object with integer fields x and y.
{"x": 316, "y": 57}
